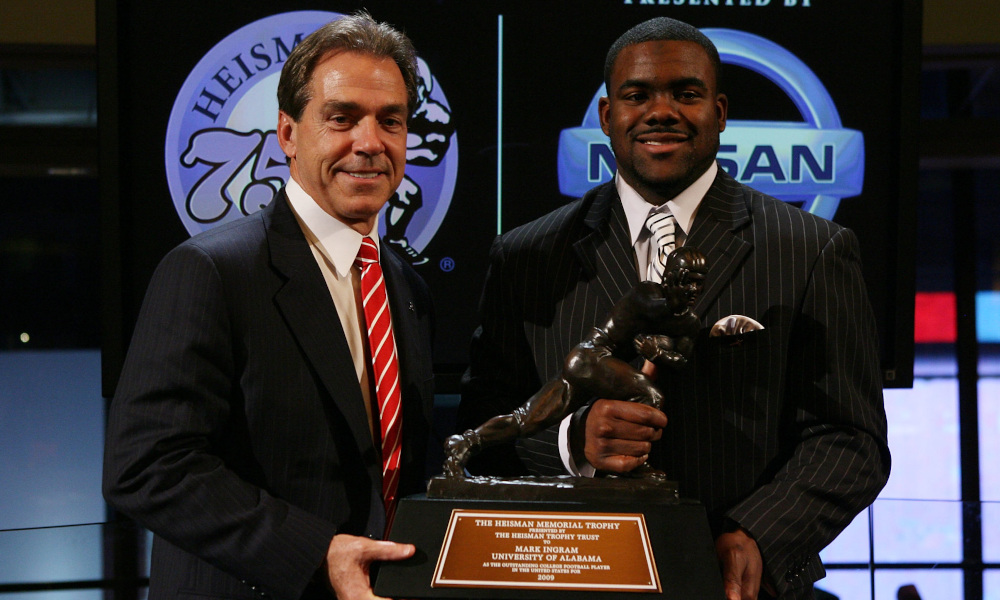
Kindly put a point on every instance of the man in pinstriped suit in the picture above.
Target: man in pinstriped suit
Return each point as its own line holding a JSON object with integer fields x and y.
{"x": 779, "y": 432}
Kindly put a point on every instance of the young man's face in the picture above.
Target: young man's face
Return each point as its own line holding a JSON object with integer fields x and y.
{"x": 348, "y": 148}
{"x": 663, "y": 114}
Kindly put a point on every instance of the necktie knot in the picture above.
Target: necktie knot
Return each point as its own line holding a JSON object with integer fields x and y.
{"x": 367, "y": 253}
{"x": 662, "y": 228}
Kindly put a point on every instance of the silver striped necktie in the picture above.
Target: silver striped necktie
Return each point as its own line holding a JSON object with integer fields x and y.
{"x": 662, "y": 226}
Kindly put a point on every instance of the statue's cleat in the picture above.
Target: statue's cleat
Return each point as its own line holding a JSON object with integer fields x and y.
{"x": 408, "y": 252}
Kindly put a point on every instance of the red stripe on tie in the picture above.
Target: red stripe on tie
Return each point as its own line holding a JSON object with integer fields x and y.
{"x": 385, "y": 368}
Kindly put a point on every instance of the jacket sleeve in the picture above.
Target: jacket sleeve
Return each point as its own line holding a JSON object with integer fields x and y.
{"x": 169, "y": 439}
{"x": 840, "y": 459}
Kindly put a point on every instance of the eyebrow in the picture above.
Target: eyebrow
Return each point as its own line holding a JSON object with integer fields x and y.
{"x": 347, "y": 106}
{"x": 341, "y": 105}
{"x": 676, "y": 83}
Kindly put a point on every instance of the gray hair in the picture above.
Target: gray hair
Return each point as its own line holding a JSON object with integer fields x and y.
{"x": 357, "y": 32}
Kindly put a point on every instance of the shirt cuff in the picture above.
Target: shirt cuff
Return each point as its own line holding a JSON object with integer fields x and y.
{"x": 584, "y": 470}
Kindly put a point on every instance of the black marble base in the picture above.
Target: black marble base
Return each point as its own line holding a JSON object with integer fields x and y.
{"x": 679, "y": 533}
{"x": 562, "y": 488}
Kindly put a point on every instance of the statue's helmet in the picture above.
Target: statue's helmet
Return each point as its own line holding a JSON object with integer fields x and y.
{"x": 684, "y": 260}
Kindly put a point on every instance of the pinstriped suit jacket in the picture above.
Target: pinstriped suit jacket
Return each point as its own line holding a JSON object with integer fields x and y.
{"x": 238, "y": 433}
{"x": 781, "y": 430}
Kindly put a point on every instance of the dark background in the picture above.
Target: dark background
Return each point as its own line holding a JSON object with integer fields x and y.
{"x": 553, "y": 55}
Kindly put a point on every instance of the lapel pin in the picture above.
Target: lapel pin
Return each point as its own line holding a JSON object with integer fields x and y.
{"x": 412, "y": 308}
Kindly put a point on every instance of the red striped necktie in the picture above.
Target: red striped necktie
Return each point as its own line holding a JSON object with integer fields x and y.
{"x": 385, "y": 368}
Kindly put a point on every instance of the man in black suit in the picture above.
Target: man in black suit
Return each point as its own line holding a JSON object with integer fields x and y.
{"x": 245, "y": 431}
{"x": 780, "y": 432}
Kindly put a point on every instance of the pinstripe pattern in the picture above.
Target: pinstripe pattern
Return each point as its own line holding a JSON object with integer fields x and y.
{"x": 548, "y": 283}
{"x": 238, "y": 432}
{"x": 782, "y": 430}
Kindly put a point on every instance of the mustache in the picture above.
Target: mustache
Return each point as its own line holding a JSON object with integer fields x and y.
{"x": 664, "y": 129}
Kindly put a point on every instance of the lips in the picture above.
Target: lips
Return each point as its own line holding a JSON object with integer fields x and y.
{"x": 362, "y": 170}
{"x": 362, "y": 173}
{"x": 662, "y": 138}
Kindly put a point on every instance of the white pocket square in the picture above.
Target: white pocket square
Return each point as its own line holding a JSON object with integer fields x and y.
{"x": 734, "y": 325}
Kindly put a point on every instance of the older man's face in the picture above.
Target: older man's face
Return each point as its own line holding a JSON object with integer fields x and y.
{"x": 348, "y": 149}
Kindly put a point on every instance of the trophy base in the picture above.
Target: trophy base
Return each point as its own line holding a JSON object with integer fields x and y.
{"x": 563, "y": 487}
{"x": 679, "y": 548}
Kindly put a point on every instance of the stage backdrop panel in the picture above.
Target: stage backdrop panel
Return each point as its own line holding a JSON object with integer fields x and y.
{"x": 822, "y": 98}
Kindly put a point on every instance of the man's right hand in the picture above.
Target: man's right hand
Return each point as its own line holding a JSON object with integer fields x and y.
{"x": 349, "y": 559}
{"x": 618, "y": 435}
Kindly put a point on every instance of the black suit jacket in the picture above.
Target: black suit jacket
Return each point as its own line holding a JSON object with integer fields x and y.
{"x": 238, "y": 433}
{"x": 781, "y": 430}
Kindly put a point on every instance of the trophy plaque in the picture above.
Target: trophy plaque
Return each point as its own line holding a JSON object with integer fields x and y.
{"x": 556, "y": 538}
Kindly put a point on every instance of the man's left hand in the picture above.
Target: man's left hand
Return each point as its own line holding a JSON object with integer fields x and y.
{"x": 742, "y": 565}
{"x": 349, "y": 559}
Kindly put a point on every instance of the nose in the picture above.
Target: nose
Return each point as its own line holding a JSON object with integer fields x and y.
{"x": 662, "y": 109}
{"x": 367, "y": 139}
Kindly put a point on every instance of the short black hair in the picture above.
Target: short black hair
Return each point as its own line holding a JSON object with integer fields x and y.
{"x": 661, "y": 29}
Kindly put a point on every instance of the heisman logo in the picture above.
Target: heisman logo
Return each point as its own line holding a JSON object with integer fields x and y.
{"x": 816, "y": 162}
{"x": 222, "y": 155}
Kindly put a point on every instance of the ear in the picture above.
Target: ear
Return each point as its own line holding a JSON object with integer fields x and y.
{"x": 721, "y": 109}
{"x": 286, "y": 133}
{"x": 604, "y": 112}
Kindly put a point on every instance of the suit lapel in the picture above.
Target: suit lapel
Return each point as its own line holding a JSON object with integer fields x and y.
{"x": 721, "y": 214}
{"x": 402, "y": 308}
{"x": 605, "y": 251}
{"x": 305, "y": 304}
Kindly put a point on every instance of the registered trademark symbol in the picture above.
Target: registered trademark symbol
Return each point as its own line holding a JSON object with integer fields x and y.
{"x": 447, "y": 264}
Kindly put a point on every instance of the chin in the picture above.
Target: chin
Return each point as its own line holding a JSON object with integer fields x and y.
{"x": 367, "y": 208}
{"x": 662, "y": 179}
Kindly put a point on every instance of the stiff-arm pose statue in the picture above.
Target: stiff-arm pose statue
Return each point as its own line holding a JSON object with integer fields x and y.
{"x": 653, "y": 320}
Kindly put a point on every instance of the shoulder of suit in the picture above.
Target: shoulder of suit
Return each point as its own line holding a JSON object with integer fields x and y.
{"x": 233, "y": 242}
{"x": 774, "y": 222}
{"x": 568, "y": 219}
{"x": 239, "y": 230}
{"x": 763, "y": 206}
